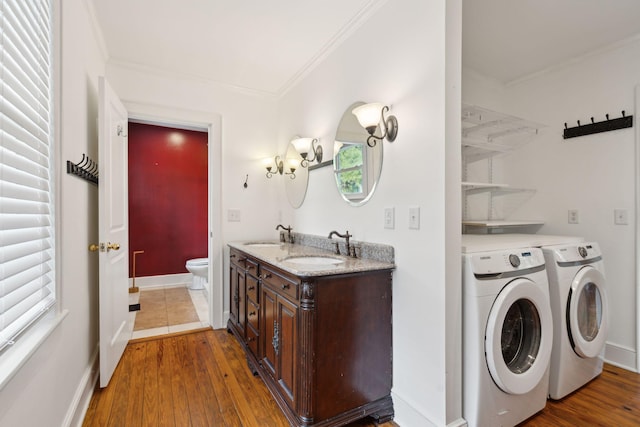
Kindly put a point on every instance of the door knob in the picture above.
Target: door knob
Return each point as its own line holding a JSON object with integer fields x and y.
{"x": 114, "y": 246}
{"x": 104, "y": 248}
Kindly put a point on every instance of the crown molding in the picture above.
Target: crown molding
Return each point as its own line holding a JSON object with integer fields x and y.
{"x": 97, "y": 29}
{"x": 575, "y": 60}
{"x": 363, "y": 15}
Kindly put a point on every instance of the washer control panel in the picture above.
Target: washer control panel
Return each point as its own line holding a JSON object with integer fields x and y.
{"x": 506, "y": 261}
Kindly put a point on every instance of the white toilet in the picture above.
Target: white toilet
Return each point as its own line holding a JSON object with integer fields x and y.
{"x": 199, "y": 267}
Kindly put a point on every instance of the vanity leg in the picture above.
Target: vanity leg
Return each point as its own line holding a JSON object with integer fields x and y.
{"x": 385, "y": 413}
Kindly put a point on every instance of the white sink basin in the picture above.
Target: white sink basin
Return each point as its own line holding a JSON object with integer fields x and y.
{"x": 263, "y": 244}
{"x": 314, "y": 260}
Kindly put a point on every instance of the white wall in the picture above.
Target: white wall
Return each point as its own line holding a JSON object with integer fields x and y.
{"x": 55, "y": 375}
{"x": 397, "y": 57}
{"x": 594, "y": 174}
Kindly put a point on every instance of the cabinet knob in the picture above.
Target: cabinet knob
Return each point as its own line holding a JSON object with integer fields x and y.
{"x": 251, "y": 288}
{"x": 253, "y": 313}
{"x": 285, "y": 286}
{"x": 266, "y": 275}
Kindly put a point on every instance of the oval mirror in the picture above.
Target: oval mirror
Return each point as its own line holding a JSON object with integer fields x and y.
{"x": 356, "y": 166}
{"x": 295, "y": 184}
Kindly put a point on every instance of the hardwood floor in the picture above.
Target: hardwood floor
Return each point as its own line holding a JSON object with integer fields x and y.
{"x": 195, "y": 379}
{"x": 202, "y": 379}
{"x": 612, "y": 399}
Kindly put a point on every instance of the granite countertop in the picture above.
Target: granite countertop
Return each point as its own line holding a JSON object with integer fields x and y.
{"x": 277, "y": 254}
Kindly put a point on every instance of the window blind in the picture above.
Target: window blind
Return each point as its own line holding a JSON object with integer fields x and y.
{"x": 27, "y": 285}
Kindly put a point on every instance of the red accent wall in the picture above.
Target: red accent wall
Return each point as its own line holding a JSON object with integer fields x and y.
{"x": 167, "y": 198}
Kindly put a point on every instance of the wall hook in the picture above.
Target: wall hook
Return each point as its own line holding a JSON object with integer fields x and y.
{"x": 86, "y": 169}
{"x": 245, "y": 181}
{"x": 597, "y": 127}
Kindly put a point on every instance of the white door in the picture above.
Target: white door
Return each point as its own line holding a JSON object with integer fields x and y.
{"x": 587, "y": 316}
{"x": 116, "y": 324}
{"x": 519, "y": 336}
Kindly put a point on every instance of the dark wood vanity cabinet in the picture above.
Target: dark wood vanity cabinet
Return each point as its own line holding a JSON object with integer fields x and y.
{"x": 321, "y": 344}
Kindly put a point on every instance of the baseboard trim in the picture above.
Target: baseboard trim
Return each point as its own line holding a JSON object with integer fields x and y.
{"x": 163, "y": 281}
{"x": 82, "y": 397}
{"x": 620, "y": 356}
{"x": 406, "y": 414}
{"x": 460, "y": 422}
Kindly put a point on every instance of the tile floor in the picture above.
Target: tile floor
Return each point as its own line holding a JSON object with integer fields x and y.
{"x": 175, "y": 314}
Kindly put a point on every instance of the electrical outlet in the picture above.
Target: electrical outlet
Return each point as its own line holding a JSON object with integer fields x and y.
{"x": 414, "y": 218}
{"x": 233, "y": 215}
{"x": 389, "y": 218}
{"x": 574, "y": 216}
{"x": 621, "y": 216}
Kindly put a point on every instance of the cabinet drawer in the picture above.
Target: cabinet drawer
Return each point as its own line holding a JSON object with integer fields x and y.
{"x": 235, "y": 257}
{"x": 283, "y": 284}
{"x": 252, "y": 313}
{"x": 252, "y": 289}
{"x": 243, "y": 262}
{"x": 252, "y": 340}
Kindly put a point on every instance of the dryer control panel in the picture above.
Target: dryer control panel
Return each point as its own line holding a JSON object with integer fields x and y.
{"x": 485, "y": 263}
{"x": 576, "y": 253}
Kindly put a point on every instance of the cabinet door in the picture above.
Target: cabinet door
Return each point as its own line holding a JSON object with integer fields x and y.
{"x": 268, "y": 329}
{"x": 286, "y": 371}
{"x": 242, "y": 301}
{"x": 234, "y": 296}
{"x": 237, "y": 304}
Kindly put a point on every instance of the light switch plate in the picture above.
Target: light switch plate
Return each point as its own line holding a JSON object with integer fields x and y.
{"x": 389, "y": 218}
{"x": 414, "y": 218}
{"x": 621, "y": 216}
{"x": 573, "y": 216}
{"x": 233, "y": 215}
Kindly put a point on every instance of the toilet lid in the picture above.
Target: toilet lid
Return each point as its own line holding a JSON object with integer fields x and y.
{"x": 198, "y": 261}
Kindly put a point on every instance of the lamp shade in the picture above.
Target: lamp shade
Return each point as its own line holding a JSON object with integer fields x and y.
{"x": 369, "y": 115}
{"x": 268, "y": 162}
{"x": 302, "y": 145}
{"x": 292, "y": 164}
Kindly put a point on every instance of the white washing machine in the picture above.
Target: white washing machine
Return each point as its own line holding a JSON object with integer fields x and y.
{"x": 577, "y": 289}
{"x": 507, "y": 336}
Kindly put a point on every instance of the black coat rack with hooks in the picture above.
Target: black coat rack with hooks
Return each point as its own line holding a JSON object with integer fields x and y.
{"x": 597, "y": 127}
{"x": 86, "y": 169}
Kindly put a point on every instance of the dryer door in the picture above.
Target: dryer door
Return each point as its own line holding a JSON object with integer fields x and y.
{"x": 587, "y": 309}
{"x": 519, "y": 335}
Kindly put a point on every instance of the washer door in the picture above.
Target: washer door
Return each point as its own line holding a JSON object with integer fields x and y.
{"x": 518, "y": 336}
{"x": 586, "y": 313}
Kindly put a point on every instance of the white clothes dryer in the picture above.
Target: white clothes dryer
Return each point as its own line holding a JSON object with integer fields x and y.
{"x": 577, "y": 289}
{"x": 507, "y": 336}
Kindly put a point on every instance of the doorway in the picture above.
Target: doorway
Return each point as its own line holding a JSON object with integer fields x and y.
{"x": 211, "y": 124}
{"x": 168, "y": 224}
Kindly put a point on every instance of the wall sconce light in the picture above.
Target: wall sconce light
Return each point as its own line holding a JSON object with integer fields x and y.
{"x": 370, "y": 115}
{"x": 303, "y": 146}
{"x": 276, "y": 165}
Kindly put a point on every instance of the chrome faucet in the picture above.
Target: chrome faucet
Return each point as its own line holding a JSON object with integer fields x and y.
{"x": 346, "y": 237}
{"x": 288, "y": 230}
